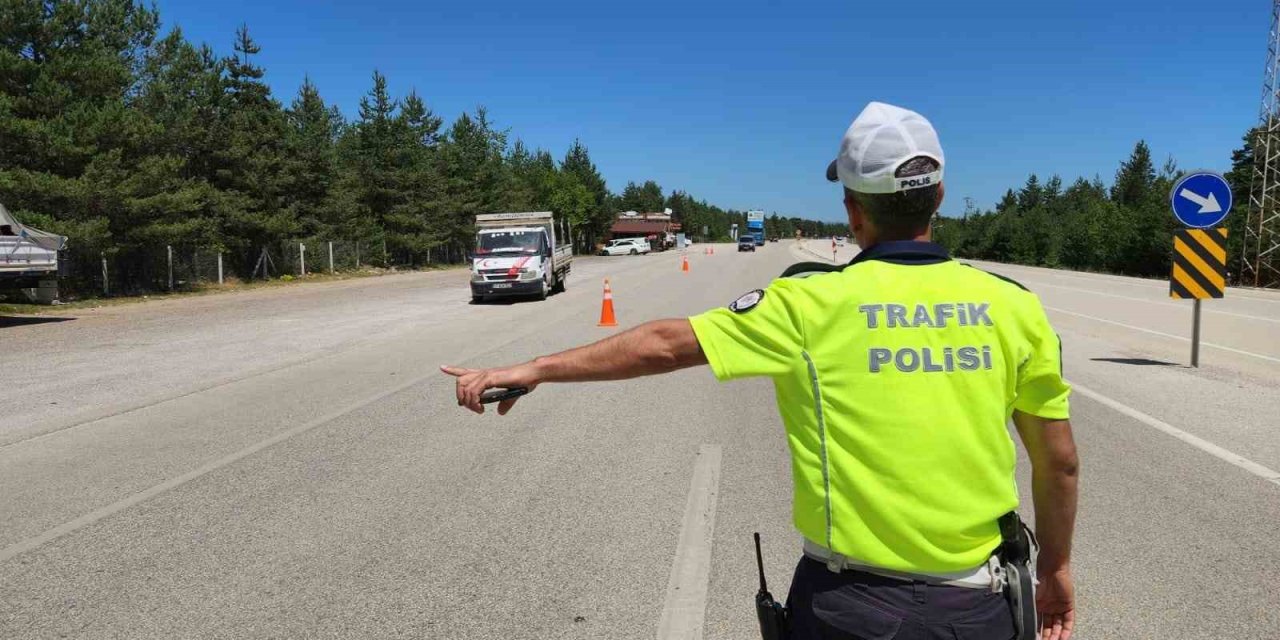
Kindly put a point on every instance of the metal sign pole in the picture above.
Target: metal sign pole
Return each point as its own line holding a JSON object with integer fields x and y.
{"x": 1195, "y": 336}
{"x": 1200, "y": 201}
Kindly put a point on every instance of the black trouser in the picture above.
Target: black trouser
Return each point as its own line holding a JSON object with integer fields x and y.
{"x": 852, "y": 605}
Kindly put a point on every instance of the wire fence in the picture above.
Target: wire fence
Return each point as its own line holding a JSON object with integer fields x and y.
{"x": 91, "y": 272}
{"x": 186, "y": 267}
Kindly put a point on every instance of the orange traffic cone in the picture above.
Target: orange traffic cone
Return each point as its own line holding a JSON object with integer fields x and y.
{"x": 684, "y": 264}
{"x": 606, "y": 308}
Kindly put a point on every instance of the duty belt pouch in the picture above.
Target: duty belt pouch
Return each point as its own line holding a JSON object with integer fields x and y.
{"x": 1017, "y": 550}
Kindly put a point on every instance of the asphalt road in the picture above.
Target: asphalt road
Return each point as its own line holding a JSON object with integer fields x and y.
{"x": 289, "y": 463}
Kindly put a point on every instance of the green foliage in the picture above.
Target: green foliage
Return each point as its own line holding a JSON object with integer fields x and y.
{"x": 1241, "y": 180}
{"x": 1125, "y": 229}
{"x": 127, "y": 140}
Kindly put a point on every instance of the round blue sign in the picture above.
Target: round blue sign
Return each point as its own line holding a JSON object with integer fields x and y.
{"x": 1201, "y": 199}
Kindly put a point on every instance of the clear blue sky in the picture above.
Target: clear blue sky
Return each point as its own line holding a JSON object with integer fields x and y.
{"x": 743, "y": 103}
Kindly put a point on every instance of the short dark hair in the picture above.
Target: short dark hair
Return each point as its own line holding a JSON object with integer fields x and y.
{"x": 903, "y": 214}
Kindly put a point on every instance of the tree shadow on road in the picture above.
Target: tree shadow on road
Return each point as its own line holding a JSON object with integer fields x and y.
{"x": 22, "y": 321}
{"x": 1144, "y": 362}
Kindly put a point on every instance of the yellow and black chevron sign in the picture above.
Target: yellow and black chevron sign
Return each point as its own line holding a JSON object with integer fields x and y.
{"x": 1199, "y": 263}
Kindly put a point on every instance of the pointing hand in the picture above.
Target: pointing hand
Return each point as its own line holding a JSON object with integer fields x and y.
{"x": 471, "y": 383}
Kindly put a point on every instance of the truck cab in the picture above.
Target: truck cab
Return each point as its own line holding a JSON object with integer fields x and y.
{"x": 517, "y": 254}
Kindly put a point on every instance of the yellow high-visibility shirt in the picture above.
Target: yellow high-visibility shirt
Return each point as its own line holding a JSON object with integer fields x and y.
{"x": 895, "y": 378}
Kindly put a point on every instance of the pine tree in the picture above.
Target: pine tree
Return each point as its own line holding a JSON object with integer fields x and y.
{"x": 173, "y": 200}
{"x": 1031, "y": 193}
{"x": 471, "y": 174}
{"x": 250, "y": 166}
{"x": 69, "y": 143}
{"x": 412, "y": 226}
{"x": 368, "y": 187}
{"x": 577, "y": 161}
{"x": 646, "y": 198}
{"x": 1135, "y": 177}
{"x": 1241, "y": 180}
{"x": 309, "y": 167}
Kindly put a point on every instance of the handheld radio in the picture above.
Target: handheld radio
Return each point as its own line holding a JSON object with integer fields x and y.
{"x": 772, "y": 616}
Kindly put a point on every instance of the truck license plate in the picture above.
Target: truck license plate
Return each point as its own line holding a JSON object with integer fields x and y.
{"x": 502, "y": 285}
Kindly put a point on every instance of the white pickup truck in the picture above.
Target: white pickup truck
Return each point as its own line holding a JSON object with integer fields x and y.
{"x": 28, "y": 259}
{"x": 518, "y": 254}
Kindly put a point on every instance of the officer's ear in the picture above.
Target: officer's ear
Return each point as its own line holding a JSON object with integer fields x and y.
{"x": 942, "y": 188}
{"x": 857, "y": 219}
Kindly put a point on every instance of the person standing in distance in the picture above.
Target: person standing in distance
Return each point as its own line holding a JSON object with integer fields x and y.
{"x": 896, "y": 375}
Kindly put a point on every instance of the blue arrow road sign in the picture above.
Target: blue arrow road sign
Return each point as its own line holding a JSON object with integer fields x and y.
{"x": 1201, "y": 199}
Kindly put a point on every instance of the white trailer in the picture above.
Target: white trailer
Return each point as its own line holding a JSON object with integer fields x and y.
{"x": 518, "y": 254}
{"x": 28, "y": 259}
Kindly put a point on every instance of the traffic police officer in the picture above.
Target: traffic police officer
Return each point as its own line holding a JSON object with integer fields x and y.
{"x": 896, "y": 376}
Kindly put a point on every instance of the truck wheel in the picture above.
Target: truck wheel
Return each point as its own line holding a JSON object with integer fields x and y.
{"x": 477, "y": 299}
{"x": 559, "y": 288}
{"x": 547, "y": 282}
{"x": 634, "y": 252}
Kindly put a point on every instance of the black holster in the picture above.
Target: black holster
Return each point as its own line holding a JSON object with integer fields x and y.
{"x": 1015, "y": 556}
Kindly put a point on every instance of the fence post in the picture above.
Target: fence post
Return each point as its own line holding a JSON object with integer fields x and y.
{"x": 219, "y": 267}
{"x": 170, "y": 251}
{"x": 331, "y": 257}
{"x": 302, "y": 257}
{"x": 386, "y": 260}
{"x": 357, "y": 254}
{"x": 106, "y": 282}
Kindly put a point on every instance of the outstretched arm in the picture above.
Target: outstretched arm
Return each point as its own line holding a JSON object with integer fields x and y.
{"x": 1055, "y": 471}
{"x": 654, "y": 347}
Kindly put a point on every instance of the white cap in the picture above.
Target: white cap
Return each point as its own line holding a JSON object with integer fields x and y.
{"x": 881, "y": 139}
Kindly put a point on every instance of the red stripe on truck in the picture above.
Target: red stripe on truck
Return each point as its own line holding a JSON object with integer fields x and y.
{"x": 515, "y": 268}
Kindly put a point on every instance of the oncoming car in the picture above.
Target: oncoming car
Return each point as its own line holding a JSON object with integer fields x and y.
{"x": 747, "y": 243}
{"x": 625, "y": 246}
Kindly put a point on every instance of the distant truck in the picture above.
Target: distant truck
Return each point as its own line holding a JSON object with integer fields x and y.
{"x": 28, "y": 259}
{"x": 755, "y": 226}
{"x": 518, "y": 254}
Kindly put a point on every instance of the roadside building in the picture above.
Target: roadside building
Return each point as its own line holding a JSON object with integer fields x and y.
{"x": 657, "y": 228}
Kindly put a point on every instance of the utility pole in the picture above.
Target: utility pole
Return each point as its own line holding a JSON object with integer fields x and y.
{"x": 1261, "y": 254}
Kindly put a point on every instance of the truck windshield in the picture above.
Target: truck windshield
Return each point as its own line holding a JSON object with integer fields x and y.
{"x": 524, "y": 242}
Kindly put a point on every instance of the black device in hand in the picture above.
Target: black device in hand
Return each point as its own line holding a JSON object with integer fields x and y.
{"x": 498, "y": 395}
{"x": 773, "y": 616}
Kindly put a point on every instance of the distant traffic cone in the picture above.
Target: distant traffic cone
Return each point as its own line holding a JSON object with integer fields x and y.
{"x": 606, "y": 308}
{"x": 684, "y": 264}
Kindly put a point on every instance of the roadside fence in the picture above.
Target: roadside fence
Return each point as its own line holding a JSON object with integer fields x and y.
{"x": 186, "y": 267}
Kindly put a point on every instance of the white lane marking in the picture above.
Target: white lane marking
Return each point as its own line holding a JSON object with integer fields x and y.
{"x": 1204, "y": 445}
{"x": 686, "y": 604}
{"x": 172, "y": 483}
{"x": 1150, "y": 301}
{"x": 1161, "y": 333}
